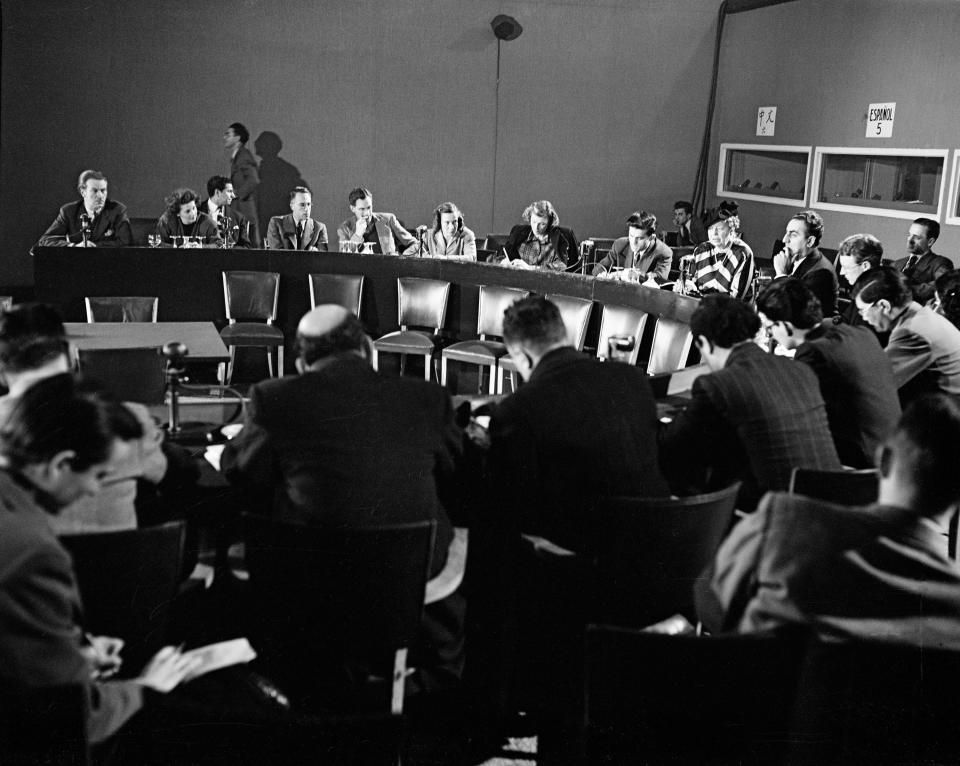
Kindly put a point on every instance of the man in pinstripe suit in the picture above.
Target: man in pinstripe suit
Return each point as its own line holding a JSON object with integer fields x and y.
{"x": 755, "y": 418}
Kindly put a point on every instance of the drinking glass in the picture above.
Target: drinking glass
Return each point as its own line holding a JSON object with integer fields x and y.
{"x": 153, "y": 240}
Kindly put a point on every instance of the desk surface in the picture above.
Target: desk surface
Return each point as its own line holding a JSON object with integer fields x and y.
{"x": 201, "y": 338}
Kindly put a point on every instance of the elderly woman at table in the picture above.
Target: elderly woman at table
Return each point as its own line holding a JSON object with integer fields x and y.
{"x": 448, "y": 236}
{"x": 183, "y": 225}
{"x": 540, "y": 242}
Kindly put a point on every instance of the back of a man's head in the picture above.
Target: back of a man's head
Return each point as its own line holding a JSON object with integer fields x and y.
{"x": 724, "y": 321}
{"x": 924, "y": 453}
{"x": 534, "y": 323}
{"x": 31, "y": 335}
{"x": 788, "y": 299}
{"x": 883, "y": 283}
{"x": 58, "y": 415}
{"x": 329, "y": 330}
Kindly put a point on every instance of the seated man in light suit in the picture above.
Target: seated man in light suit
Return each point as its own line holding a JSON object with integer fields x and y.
{"x": 297, "y": 230}
{"x": 640, "y": 255}
{"x": 386, "y": 236}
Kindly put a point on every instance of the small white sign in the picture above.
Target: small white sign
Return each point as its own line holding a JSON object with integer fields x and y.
{"x": 880, "y": 120}
{"x": 766, "y": 120}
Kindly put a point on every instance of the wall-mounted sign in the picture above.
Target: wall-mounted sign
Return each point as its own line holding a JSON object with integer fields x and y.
{"x": 766, "y": 120}
{"x": 880, "y": 120}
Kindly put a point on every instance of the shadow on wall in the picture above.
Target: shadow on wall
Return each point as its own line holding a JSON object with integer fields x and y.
{"x": 277, "y": 178}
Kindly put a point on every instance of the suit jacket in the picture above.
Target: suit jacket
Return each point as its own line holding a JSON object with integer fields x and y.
{"x": 40, "y": 614}
{"x": 578, "y": 429}
{"x": 856, "y": 381}
{"x": 389, "y": 232}
{"x": 924, "y": 350}
{"x": 875, "y": 572}
{"x": 111, "y": 228}
{"x": 922, "y": 276}
{"x": 565, "y": 241}
{"x": 755, "y": 420}
{"x": 282, "y": 234}
{"x": 169, "y": 227}
{"x": 817, "y": 261}
{"x": 348, "y": 447}
{"x": 697, "y": 235}
{"x": 246, "y": 177}
{"x": 240, "y": 225}
{"x": 657, "y": 261}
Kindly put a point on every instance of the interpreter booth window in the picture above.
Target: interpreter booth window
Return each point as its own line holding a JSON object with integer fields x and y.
{"x": 953, "y": 206}
{"x": 776, "y": 174}
{"x": 898, "y": 183}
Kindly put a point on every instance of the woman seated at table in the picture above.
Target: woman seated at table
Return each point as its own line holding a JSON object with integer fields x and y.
{"x": 183, "y": 225}
{"x": 448, "y": 236}
{"x": 540, "y": 243}
{"x": 722, "y": 265}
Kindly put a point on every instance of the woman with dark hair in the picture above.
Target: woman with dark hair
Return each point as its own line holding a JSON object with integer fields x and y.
{"x": 448, "y": 236}
{"x": 540, "y": 242}
{"x": 948, "y": 296}
{"x": 183, "y": 225}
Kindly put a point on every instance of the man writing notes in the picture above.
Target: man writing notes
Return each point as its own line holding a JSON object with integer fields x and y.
{"x": 297, "y": 230}
{"x": 93, "y": 221}
{"x": 379, "y": 232}
{"x": 640, "y": 255}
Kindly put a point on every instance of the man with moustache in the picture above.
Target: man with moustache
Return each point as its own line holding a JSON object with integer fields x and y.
{"x": 93, "y": 221}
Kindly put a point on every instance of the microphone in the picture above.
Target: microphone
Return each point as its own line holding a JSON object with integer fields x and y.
{"x": 85, "y": 221}
{"x": 421, "y": 230}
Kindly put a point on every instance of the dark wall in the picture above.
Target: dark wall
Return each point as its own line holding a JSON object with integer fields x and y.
{"x": 822, "y": 62}
{"x": 601, "y": 105}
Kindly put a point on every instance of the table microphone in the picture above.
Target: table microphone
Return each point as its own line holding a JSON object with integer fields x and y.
{"x": 85, "y": 222}
{"x": 421, "y": 230}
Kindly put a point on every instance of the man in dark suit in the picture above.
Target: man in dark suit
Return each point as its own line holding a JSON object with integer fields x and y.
{"x": 344, "y": 446}
{"x": 922, "y": 266}
{"x": 244, "y": 175}
{"x": 94, "y": 221}
{"x": 297, "y": 230}
{"x": 58, "y": 445}
{"x": 755, "y": 418}
{"x": 878, "y": 572}
{"x": 690, "y": 229}
{"x": 577, "y": 429}
{"x": 234, "y": 226}
{"x": 800, "y": 254}
{"x": 855, "y": 376}
{"x": 640, "y": 255}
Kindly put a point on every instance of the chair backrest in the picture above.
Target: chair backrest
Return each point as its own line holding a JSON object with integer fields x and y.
{"x": 843, "y": 487}
{"x": 122, "y": 308}
{"x": 422, "y": 302}
{"x": 602, "y": 243}
{"x": 140, "y": 228}
{"x": 128, "y": 581}
{"x": 621, "y": 320}
{"x": 44, "y": 725}
{"x": 342, "y": 289}
{"x": 251, "y": 294}
{"x": 670, "y": 348}
{"x": 6, "y": 301}
{"x": 130, "y": 374}
{"x": 494, "y": 241}
{"x": 687, "y": 699}
{"x": 352, "y": 592}
{"x": 651, "y": 551}
{"x": 494, "y": 300}
{"x": 576, "y": 316}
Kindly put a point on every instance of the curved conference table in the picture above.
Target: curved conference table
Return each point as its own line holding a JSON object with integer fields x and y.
{"x": 190, "y": 288}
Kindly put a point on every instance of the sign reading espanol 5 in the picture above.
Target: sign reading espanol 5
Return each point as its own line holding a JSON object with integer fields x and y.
{"x": 880, "y": 120}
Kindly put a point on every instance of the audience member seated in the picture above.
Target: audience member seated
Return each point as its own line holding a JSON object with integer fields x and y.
{"x": 640, "y": 255}
{"x": 57, "y": 445}
{"x": 876, "y": 572}
{"x": 340, "y": 445}
{"x": 722, "y": 265}
{"x": 800, "y": 254}
{"x": 855, "y": 376}
{"x": 922, "y": 266}
{"x": 183, "y": 225}
{"x": 385, "y": 236}
{"x": 94, "y": 221}
{"x": 755, "y": 418}
{"x": 855, "y": 255}
{"x": 297, "y": 230}
{"x": 924, "y": 347}
{"x": 33, "y": 347}
{"x": 948, "y": 296}
{"x": 690, "y": 231}
{"x": 448, "y": 235}
{"x": 541, "y": 242}
{"x": 577, "y": 429}
{"x": 234, "y": 226}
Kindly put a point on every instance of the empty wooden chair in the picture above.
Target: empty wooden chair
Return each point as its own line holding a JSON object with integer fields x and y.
{"x": 121, "y": 308}
{"x": 341, "y": 289}
{"x": 420, "y": 303}
{"x": 251, "y": 295}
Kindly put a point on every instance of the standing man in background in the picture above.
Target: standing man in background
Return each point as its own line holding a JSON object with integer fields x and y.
{"x": 244, "y": 175}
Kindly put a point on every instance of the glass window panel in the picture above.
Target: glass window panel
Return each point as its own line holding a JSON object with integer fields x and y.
{"x": 892, "y": 182}
{"x": 766, "y": 173}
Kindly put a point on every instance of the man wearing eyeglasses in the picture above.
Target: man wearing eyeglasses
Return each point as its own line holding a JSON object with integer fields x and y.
{"x": 640, "y": 255}
{"x": 924, "y": 347}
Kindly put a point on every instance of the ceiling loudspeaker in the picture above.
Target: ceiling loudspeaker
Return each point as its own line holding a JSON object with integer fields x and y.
{"x": 506, "y": 27}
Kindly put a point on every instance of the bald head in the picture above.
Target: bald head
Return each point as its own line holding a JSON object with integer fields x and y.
{"x": 329, "y": 330}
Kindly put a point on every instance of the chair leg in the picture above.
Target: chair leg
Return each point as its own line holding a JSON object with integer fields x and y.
{"x": 493, "y": 378}
{"x": 233, "y": 356}
{"x": 270, "y": 362}
{"x": 399, "y": 676}
{"x": 426, "y": 366}
{"x": 403, "y": 364}
{"x": 513, "y": 382}
{"x": 499, "y": 379}
{"x": 375, "y": 358}
{"x": 443, "y": 370}
{"x": 279, "y": 361}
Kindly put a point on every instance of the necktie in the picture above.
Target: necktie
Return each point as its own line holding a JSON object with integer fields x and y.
{"x": 685, "y": 235}
{"x": 911, "y": 262}
{"x": 300, "y": 228}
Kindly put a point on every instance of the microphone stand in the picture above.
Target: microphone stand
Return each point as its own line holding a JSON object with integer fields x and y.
{"x": 84, "y": 228}
{"x": 187, "y": 433}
